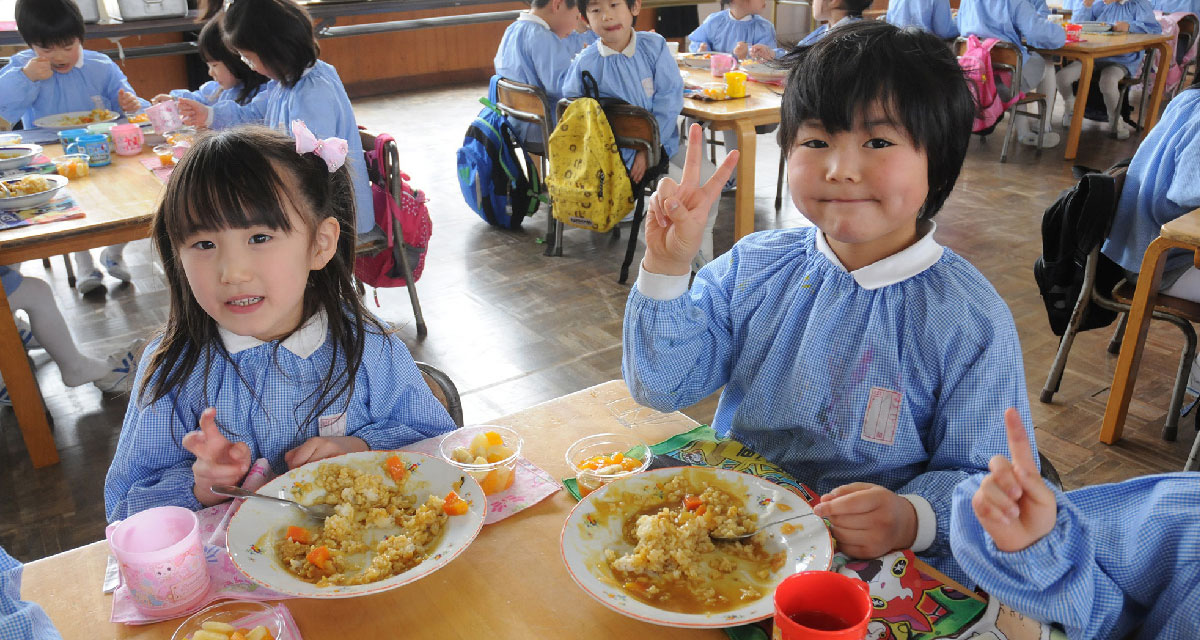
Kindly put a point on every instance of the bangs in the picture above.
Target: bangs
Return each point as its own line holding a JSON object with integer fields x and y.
{"x": 225, "y": 183}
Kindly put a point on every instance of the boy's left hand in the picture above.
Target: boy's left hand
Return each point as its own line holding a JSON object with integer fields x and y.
{"x": 868, "y": 520}
{"x": 762, "y": 52}
{"x": 741, "y": 51}
{"x": 320, "y": 447}
{"x": 1121, "y": 26}
{"x": 129, "y": 102}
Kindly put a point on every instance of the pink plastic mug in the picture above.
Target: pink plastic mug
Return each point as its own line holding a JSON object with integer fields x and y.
{"x": 162, "y": 559}
{"x": 821, "y": 605}
{"x": 165, "y": 116}
{"x": 127, "y": 139}
{"x": 720, "y": 63}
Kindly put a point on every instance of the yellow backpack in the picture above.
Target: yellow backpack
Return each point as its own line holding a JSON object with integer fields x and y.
{"x": 588, "y": 183}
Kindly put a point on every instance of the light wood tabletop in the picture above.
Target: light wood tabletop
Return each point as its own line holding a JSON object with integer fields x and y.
{"x": 119, "y": 200}
{"x": 760, "y": 106}
{"x": 1102, "y": 45}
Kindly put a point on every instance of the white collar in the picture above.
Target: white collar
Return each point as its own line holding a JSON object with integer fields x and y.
{"x": 898, "y": 267}
{"x": 846, "y": 20}
{"x": 527, "y": 16}
{"x": 79, "y": 62}
{"x": 746, "y": 18}
{"x": 303, "y": 342}
{"x": 629, "y": 49}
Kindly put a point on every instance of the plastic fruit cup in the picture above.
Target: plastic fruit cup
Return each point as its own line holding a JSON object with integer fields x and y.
{"x": 242, "y": 614}
{"x": 493, "y": 470}
{"x": 714, "y": 90}
{"x": 72, "y": 165}
{"x": 606, "y": 444}
{"x": 166, "y": 154}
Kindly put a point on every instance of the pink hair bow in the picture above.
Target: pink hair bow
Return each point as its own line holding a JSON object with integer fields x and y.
{"x": 332, "y": 150}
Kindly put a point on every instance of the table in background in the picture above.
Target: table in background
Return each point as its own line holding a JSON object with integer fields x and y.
{"x": 1095, "y": 46}
{"x": 760, "y": 106}
{"x": 119, "y": 201}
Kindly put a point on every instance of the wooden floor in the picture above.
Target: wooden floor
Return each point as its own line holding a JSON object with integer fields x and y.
{"x": 514, "y": 328}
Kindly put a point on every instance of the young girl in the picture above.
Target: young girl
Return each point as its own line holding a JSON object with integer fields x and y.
{"x": 1133, "y": 16}
{"x": 276, "y": 39}
{"x": 268, "y": 351}
{"x": 231, "y": 78}
{"x": 930, "y": 15}
{"x": 832, "y": 14}
{"x": 740, "y": 30}
{"x": 861, "y": 356}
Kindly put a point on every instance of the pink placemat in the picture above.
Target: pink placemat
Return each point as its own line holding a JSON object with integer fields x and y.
{"x": 159, "y": 171}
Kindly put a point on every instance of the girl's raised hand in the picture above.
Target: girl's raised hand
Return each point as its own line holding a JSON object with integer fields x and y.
{"x": 678, "y": 211}
{"x": 193, "y": 113}
{"x": 1012, "y": 503}
{"x": 321, "y": 447}
{"x": 218, "y": 461}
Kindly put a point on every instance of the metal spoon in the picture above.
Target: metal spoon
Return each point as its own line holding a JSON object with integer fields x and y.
{"x": 317, "y": 511}
{"x": 770, "y": 524}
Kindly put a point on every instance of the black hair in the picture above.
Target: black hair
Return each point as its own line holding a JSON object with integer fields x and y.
{"x": 853, "y": 7}
{"x": 213, "y": 49}
{"x": 542, "y": 4}
{"x": 909, "y": 73}
{"x": 242, "y": 177}
{"x": 280, "y": 32}
{"x": 583, "y": 5}
{"x": 49, "y": 23}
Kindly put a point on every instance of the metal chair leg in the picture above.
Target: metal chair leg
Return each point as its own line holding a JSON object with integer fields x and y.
{"x": 1044, "y": 112}
{"x": 638, "y": 214}
{"x": 45, "y": 263}
{"x": 70, "y": 270}
{"x": 401, "y": 257}
{"x": 1008, "y": 136}
{"x": 1054, "y": 378}
{"x": 1171, "y": 427}
{"x": 1114, "y": 345}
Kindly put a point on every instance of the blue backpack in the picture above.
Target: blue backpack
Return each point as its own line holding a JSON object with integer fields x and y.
{"x": 494, "y": 182}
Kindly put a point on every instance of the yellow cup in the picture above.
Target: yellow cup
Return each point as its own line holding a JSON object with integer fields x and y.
{"x": 735, "y": 83}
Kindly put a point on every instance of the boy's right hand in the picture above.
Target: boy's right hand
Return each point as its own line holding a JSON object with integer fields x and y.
{"x": 38, "y": 69}
{"x": 162, "y": 97}
{"x": 193, "y": 113}
{"x": 218, "y": 461}
{"x": 1012, "y": 503}
{"x": 678, "y": 211}
{"x": 703, "y": 47}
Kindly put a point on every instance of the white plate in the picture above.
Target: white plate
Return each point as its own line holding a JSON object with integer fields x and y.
{"x": 763, "y": 72}
{"x": 34, "y": 199}
{"x": 254, "y": 553}
{"x": 58, "y": 121}
{"x": 584, "y": 539}
{"x": 27, "y": 153}
{"x": 696, "y": 60}
{"x": 1095, "y": 27}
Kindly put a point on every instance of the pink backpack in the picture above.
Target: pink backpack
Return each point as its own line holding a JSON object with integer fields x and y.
{"x": 381, "y": 269}
{"x": 976, "y": 63}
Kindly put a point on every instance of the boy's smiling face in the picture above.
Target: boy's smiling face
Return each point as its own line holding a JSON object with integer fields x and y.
{"x": 864, "y": 188}
{"x": 62, "y": 57}
{"x": 612, "y": 20}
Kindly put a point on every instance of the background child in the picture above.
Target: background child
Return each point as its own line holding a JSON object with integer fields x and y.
{"x": 834, "y": 13}
{"x": 582, "y": 35}
{"x": 930, "y": 15}
{"x": 1018, "y": 22}
{"x": 1172, "y": 6}
{"x": 1134, "y": 16}
{"x": 231, "y": 78}
{"x": 740, "y": 30}
{"x": 536, "y": 50}
{"x": 57, "y": 75}
{"x": 267, "y": 347}
{"x": 276, "y": 39}
{"x": 1101, "y": 560}
{"x": 20, "y": 619}
{"x": 860, "y": 355}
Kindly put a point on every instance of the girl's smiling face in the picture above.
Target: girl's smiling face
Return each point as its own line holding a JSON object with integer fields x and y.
{"x": 612, "y": 20}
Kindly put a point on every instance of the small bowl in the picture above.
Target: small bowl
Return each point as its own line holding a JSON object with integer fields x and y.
{"x": 72, "y": 165}
{"x": 230, "y": 612}
{"x": 165, "y": 154}
{"x": 25, "y": 153}
{"x": 9, "y": 138}
{"x": 34, "y": 199}
{"x": 605, "y": 444}
{"x": 496, "y": 476}
{"x": 715, "y": 90}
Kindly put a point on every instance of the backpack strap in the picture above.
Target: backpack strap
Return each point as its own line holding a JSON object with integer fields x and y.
{"x": 590, "y": 88}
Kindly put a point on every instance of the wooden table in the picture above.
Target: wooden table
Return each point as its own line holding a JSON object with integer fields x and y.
{"x": 760, "y": 106}
{"x": 119, "y": 200}
{"x": 1095, "y": 46}
{"x": 1180, "y": 233}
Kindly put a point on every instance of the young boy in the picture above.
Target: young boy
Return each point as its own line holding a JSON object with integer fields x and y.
{"x": 20, "y": 619}
{"x": 1101, "y": 561}
{"x": 861, "y": 356}
{"x": 1018, "y": 22}
{"x": 536, "y": 50}
{"x": 930, "y": 15}
{"x": 1133, "y": 16}
{"x": 832, "y": 14}
{"x": 55, "y": 76}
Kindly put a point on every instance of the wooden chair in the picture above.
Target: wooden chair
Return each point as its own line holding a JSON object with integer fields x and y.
{"x": 391, "y": 181}
{"x": 1007, "y": 57}
{"x": 1189, "y": 40}
{"x": 444, "y": 390}
{"x": 527, "y": 103}
{"x": 634, "y": 128}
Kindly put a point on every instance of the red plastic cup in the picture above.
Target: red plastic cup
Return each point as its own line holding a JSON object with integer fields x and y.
{"x": 1074, "y": 32}
{"x": 821, "y": 605}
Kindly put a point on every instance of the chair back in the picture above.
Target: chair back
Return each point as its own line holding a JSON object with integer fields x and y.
{"x": 632, "y": 126}
{"x": 1189, "y": 28}
{"x": 524, "y": 102}
{"x": 444, "y": 390}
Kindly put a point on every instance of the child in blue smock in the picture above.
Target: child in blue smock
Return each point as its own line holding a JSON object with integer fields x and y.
{"x": 1101, "y": 561}
{"x": 832, "y": 14}
{"x": 20, "y": 620}
{"x": 56, "y": 75}
{"x": 276, "y": 39}
{"x": 232, "y": 79}
{"x": 930, "y": 15}
{"x": 1018, "y": 22}
{"x": 268, "y": 351}
{"x": 1173, "y": 6}
{"x": 1134, "y": 16}
{"x": 536, "y": 50}
{"x": 860, "y": 355}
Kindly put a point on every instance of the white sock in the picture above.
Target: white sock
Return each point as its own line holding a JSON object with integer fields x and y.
{"x": 83, "y": 263}
{"x": 49, "y": 327}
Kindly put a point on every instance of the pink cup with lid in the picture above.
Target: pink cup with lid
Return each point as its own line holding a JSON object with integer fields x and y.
{"x": 127, "y": 139}
{"x": 162, "y": 560}
{"x": 165, "y": 116}
{"x": 720, "y": 63}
